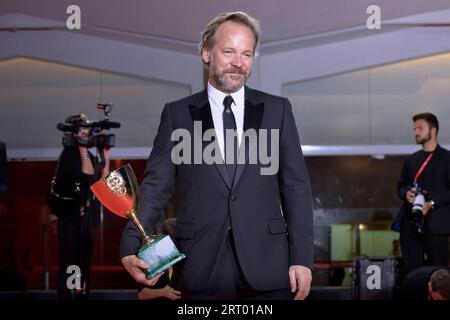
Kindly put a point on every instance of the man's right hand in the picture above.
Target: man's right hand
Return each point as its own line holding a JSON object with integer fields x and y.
{"x": 135, "y": 267}
{"x": 410, "y": 196}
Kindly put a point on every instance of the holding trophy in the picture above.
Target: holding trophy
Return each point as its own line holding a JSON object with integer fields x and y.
{"x": 119, "y": 193}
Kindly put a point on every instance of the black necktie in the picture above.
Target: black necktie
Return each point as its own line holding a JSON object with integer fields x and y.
{"x": 229, "y": 123}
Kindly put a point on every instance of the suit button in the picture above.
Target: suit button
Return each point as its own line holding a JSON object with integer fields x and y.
{"x": 233, "y": 198}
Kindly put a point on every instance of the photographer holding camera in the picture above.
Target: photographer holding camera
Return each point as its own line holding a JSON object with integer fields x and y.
{"x": 74, "y": 204}
{"x": 424, "y": 187}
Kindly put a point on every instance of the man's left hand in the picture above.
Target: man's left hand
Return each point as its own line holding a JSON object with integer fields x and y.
{"x": 300, "y": 278}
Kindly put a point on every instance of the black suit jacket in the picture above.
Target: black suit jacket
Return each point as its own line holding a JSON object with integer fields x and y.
{"x": 435, "y": 179}
{"x": 271, "y": 215}
{"x": 3, "y": 170}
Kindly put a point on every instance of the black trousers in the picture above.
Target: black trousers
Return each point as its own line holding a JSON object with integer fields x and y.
{"x": 420, "y": 249}
{"x": 74, "y": 248}
{"x": 228, "y": 283}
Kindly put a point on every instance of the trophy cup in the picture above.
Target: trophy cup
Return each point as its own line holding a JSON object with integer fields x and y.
{"x": 119, "y": 193}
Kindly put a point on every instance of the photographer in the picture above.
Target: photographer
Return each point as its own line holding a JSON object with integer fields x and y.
{"x": 75, "y": 207}
{"x": 424, "y": 187}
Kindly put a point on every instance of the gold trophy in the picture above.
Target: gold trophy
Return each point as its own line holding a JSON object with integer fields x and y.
{"x": 119, "y": 193}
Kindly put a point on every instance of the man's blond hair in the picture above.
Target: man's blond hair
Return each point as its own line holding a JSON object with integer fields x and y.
{"x": 237, "y": 17}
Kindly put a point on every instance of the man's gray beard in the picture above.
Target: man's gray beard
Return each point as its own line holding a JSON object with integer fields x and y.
{"x": 221, "y": 78}
{"x": 228, "y": 86}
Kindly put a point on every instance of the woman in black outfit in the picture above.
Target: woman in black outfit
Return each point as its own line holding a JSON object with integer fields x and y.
{"x": 78, "y": 213}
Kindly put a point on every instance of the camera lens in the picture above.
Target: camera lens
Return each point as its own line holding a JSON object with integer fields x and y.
{"x": 419, "y": 202}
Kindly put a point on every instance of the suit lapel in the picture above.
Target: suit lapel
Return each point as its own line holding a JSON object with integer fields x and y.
{"x": 201, "y": 111}
{"x": 253, "y": 114}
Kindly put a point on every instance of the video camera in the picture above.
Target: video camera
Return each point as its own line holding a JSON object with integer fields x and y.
{"x": 95, "y": 139}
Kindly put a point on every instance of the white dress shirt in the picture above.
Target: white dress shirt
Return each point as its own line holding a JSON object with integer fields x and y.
{"x": 215, "y": 98}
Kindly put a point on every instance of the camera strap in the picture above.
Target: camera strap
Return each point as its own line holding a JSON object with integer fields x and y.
{"x": 424, "y": 164}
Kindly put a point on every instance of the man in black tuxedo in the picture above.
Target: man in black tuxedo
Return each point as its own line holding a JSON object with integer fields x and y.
{"x": 428, "y": 172}
{"x": 245, "y": 228}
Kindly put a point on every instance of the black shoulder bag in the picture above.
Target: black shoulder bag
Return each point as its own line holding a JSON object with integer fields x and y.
{"x": 59, "y": 202}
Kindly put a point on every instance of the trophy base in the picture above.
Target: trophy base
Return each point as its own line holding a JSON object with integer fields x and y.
{"x": 161, "y": 253}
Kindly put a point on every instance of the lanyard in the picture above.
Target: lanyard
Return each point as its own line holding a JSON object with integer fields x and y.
{"x": 424, "y": 164}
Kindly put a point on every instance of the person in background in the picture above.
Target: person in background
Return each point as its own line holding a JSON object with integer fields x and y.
{"x": 426, "y": 283}
{"x": 77, "y": 210}
{"x": 425, "y": 176}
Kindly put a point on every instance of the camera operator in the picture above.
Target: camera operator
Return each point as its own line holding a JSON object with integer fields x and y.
{"x": 78, "y": 215}
{"x": 424, "y": 187}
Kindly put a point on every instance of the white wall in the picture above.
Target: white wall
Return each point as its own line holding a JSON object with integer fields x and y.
{"x": 373, "y": 106}
{"x": 272, "y": 70}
